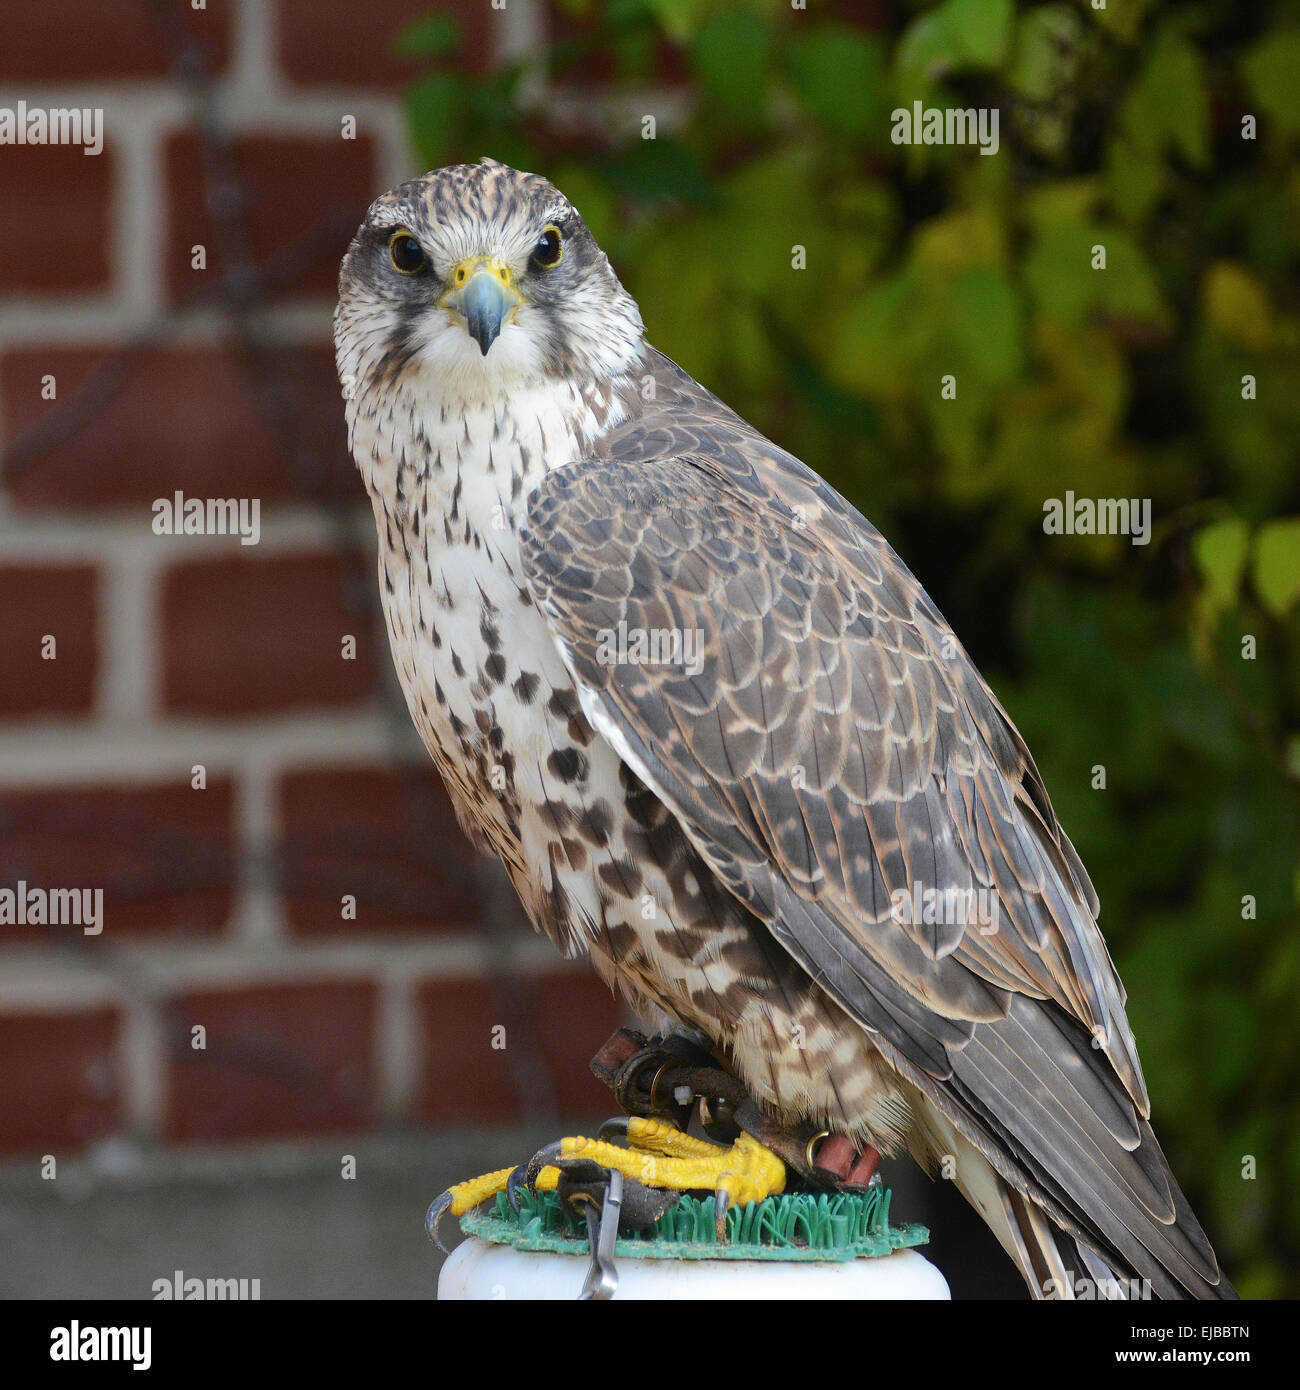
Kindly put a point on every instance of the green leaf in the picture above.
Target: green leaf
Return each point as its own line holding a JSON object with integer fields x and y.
{"x": 651, "y": 170}
{"x": 594, "y": 200}
{"x": 759, "y": 221}
{"x": 978, "y": 30}
{"x": 430, "y": 106}
{"x": 987, "y": 324}
{"x": 881, "y": 330}
{"x": 959, "y": 34}
{"x": 1237, "y": 307}
{"x": 1220, "y": 551}
{"x": 838, "y": 76}
{"x": 679, "y": 19}
{"x": 1063, "y": 201}
{"x": 730, "y": 55}
{"x": 1123, "y": 19}
{"x": 1059, "y": 270}
{"x": 1271, "y": 69}
{"x": 1047, "y": 41}
{"x": 922, "y": 56}
{"x": 1137, "y": 176}
{"x": 1174, "y": 98}
{"x": 1277, "y": 565}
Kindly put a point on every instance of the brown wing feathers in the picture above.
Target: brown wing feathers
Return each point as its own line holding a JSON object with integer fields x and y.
{"x": 837, "y": 746}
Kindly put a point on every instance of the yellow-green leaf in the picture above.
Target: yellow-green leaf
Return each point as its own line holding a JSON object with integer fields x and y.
{"x": 1220, "y": 551}
{"x": 1236, "y": 306}
{"x": 1277, "y": 565}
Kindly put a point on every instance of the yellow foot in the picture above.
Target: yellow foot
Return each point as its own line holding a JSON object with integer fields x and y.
{"x": 657, "y": 1156}
{"x": 465, "y": 1196}
{"x": 661, "y": 1156}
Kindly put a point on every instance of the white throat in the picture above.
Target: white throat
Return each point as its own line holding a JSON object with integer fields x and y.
{"x": 468, "y": 464}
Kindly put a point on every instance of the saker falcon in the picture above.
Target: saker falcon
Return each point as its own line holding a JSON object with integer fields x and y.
{"x": 725, "y": 744}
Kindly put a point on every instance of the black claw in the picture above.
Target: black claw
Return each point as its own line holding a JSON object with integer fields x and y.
{"x": 438, "y": 1208}
{"x": 513, "y": 1183}
{"x": 543, "y": 1158}
{"x": 613, "y": 1129}
{"x": 721, "y": 1202}
{"x": 528, "y": 1176}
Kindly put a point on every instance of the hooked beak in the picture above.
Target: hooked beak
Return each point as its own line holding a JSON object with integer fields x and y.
{"x": 483, "y": 294}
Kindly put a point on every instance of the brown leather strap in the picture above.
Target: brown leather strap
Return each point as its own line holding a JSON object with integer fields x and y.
{"x": 835, "y": 1156}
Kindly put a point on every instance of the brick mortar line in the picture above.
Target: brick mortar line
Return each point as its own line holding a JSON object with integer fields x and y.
{"x": 98, "y": 322}
{"x": 113, "y": 535}
{"x": 224, "y": 1163}
{"x": 142, "y": 1065}
{"x": 258, "y": 913}
{"x": 254, "y": 46}
{"x": 35, "y": 981}
{"x": 132, "y": 99}
{"x": 397, "y": 1045}
{"x": 127, "y": 679}
{"x": 27, "y": 321}
{"x": 78, "y": 753}
{"x": 136, "y": 217}
{"x": 160, "y": 106}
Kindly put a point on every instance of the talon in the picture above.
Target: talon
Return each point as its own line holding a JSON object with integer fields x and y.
{"x": 463, "y": 1197}
{"x": 543, "y": 1158}
{"x": 538, "y": 1175}
{"x": 438, "y": 1208}
{"x": 721, "y": 1202}
{"x": 513, "y": 1184}
{"x": 617, "y": 1128}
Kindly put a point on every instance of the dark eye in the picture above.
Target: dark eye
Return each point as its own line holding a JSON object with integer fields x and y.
{"x": 548, "y": 250}
{"x": 406, "y": 254}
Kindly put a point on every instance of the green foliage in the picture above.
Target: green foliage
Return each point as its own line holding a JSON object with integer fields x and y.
{"x": 1171, "y": 374}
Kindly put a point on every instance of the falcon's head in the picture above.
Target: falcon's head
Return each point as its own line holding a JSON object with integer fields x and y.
{"x": 485, "y": 278}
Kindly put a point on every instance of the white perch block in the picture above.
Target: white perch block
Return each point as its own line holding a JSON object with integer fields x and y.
{"x": 477, "y": 1270}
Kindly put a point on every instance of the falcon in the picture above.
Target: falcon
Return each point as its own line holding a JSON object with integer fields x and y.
{"x": 728, "y": 748}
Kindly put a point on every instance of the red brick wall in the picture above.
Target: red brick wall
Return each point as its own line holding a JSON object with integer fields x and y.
{"x": 223, "y": 889}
